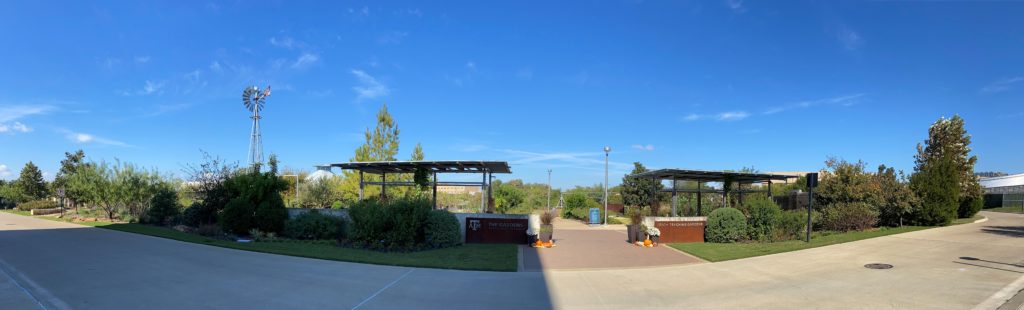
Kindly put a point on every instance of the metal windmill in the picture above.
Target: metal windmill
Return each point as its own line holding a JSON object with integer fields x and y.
{"x": 254, "y": 99}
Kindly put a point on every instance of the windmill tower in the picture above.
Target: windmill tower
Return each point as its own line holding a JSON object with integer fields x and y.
{"x": 254, "y": 99}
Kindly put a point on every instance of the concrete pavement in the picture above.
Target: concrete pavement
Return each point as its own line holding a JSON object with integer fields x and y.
{"x": 64, "y": 265}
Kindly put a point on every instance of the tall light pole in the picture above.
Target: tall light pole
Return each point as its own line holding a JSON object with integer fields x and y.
{"x": 607, "y": 149}
{"x": 549, "y": 190}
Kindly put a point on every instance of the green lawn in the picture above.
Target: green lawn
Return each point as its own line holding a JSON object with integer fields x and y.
{"x": 1006, "y": 210}
{"x": 716, "y": 252}
{"x": 488, "y": 257}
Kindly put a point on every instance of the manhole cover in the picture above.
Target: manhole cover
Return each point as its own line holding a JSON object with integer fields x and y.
{"x": 878, "y": 266}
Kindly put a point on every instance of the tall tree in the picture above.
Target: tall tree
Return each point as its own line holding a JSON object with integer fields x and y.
{"x": 68, "y": 166}
{"x": 381, "y": 145}
{"x": 949, "y": 137}
{"x": 31, "y": 184}
{"x": 636, "y": 191}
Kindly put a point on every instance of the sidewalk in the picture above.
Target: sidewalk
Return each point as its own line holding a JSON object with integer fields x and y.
{"x": 580, "y": 246}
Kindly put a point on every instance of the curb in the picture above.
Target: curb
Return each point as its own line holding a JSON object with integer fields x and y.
{"x": 981, "y": 220}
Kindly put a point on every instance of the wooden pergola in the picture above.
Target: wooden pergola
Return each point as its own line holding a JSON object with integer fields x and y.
{"x": 383, "y": 168}
{"x": 702, "y": 176}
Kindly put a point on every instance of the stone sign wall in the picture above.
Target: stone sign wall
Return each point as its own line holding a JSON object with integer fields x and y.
{"x": 496, "y": 230}
{"x": 682, "y": 230}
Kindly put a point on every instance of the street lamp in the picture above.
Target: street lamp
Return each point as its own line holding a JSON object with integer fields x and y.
{"x": 607, "y": 149}
{"x": 549, "y": 190}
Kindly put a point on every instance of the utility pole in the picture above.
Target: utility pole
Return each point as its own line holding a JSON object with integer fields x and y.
{"x": 607, "y": 149}
{"x": 549, "y": 190}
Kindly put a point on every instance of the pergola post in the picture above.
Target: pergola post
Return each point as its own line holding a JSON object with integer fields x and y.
{"x": 483, "y": 194}
{"x": 489, "y": 176}
{"x": 674, "y": 199}
{"x": 740, "y": 191}
{"x": 698, "y": 199}
{"x": 360, "y": 185}
{"x": 770, "y": 196}
{"x": 654, "y": 195}
{"x": 434, "y": 190}
{"x": 383, "y": 181}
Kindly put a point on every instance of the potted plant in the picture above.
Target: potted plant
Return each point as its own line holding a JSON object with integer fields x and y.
{"x": 653, "y": 233}
{"x": 635, "y": 230}
{"x": 546, "y": 228}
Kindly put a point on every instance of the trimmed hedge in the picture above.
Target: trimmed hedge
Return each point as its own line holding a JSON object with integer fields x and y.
{"x": 847, "y": 216}
{"x": 37, "y": 204}
{"x": 442, "y": 229}
{"x": 726, "y": 225}
{"x": 237, "y": 217}
{"x": 395, "y": 225}
{"x": 764, "y": 217}
{"x": 314, "y": 225}
{"x": 969, "y": 206}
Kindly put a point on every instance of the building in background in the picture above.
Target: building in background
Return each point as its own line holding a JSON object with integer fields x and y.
{"x": 1004, "y": 191}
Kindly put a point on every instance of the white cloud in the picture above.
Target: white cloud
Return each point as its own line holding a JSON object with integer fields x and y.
{"x": 283, "y": 42}
{"x": 1001, "y": 85}
{"x": 844, "y": 100}
{"x": 648, "y": 147}
{"x": 305, "y": 60}
{"x": 148, "y": 88}
{"x": 732, "y": 116}
{"x": 471, "y": 65}
{"x": 14, "y": 112}
{"x": 5, "y": 172}
{"x": 141, "y": 59}
{"x": 736, "y": 5}
{"x": 215, "y": 67}
{"x": 692, "y": 117}
{"x": 369, "y": 87}
{"x": 850, "y": 39}
{"x": 15, "y": 127}
{"x": 79, "y": 137}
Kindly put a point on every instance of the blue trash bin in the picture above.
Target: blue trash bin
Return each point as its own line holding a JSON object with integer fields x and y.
{"x": 595, "y": 216}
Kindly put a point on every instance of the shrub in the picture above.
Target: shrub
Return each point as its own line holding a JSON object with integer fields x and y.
{"x": 726, "y": 225}
{"x": 791, "y": 225}
{"x": 969, "y": 207}
{"x": 547, "y": 217}
{"x": 442, "y": 229}
{"x": 237, "y": 217}
{"x": 847, "y": 216}
{"x": 271, "y": 215}
{"x": 163, "y": 207}
{"x": 197, "y": 214}
{"x": 764, "y": 217}
{"x": 938, "y": 186}
{"x": 209, "y": 230}
{"x": 313, "y": 225}
{"x": 37, "y": 204}
{"x": 337, "y": 205}
{"x": 395, "y": 224}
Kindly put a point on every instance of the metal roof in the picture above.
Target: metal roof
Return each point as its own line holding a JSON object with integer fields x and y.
{"x": 442, "y": 166}
{"x": 1003, "y": 181}
{"x": 712, "y": 176}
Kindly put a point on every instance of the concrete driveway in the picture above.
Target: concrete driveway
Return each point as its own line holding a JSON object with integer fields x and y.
{"x": 54, "y": 265}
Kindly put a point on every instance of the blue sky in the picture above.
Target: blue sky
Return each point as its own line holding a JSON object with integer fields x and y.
{"x": 777, "y": 85}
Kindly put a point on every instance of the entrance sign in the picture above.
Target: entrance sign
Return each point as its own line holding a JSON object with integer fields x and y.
{"x": 496, "y": 230}
{"x": 681, "y": 231}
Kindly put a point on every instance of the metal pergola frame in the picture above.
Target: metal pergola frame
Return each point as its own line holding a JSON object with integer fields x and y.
{"x": 702, "y": 176}
{"x": 383, "y": 168}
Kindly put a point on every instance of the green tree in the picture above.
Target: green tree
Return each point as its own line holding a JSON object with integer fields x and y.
{"x": 30, "y": 183}
{"x": 898, "y": 202}
{"x": 508, "y": 196}
{"x": 937, "y": 185}
{"x": 638, "y": 191}
{"x": 846, "y": 182}
{"x": 381, "y": 144}
{"x": 949, "y": 137}
{"x": 68, "y": 166}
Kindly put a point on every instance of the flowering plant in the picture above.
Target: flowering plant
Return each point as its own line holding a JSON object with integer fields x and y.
{"x": 653, "y": 231}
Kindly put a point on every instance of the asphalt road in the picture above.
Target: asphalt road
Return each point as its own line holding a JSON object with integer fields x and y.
{"x": 46, "y": 264}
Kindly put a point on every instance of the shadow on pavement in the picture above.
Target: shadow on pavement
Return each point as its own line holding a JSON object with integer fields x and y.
{"x": 1009, "y": 231}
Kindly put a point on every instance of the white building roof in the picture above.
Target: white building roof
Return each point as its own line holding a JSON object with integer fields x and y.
{"x": 321, "y": 173}
{"x": 1003, "y": 181}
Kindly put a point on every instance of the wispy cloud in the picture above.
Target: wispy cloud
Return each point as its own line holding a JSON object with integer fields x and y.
{"x": 14, "y": 127}
{"x": 1001, "y": 85}
{"x": 723, "y": 116}
{"x": 84, "y": 138}
{"x": 162, "y": 109}
{"x": 471, "y": 65}
{"x": 216, "y": 67}
{"x": 5, "y": 172}
{"x": 364, "y": 11}
{"x": 369, "y": 87}
{"x": 584, "y": 160}
{"x": 736, "y": 6}
{"x": 305, "y": 60}
{"x": 141, "y": 59}
{"x": 283, "y": 42}
{"x": 845, "y": 100}
{"x": 149, "y": 88}
{"x": 648, "y": 147}
{"x": 849, "y": 38}
{"x": 14, "y": 112}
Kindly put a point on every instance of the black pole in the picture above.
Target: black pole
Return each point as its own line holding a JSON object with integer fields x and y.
{"x": 699, "y": 213}
{"x": 810, "y": 203}
{"x": 435, "y": 190}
